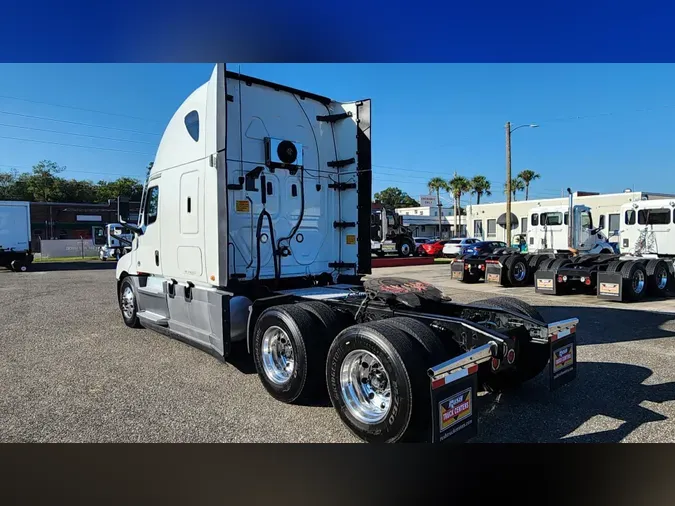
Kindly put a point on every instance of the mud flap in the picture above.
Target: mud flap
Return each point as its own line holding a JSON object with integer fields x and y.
{"x": 610, "y": 286}
{"x": 493, "y": 272}
{"x": 545, "y": 282}
{"x": 563, "y": 365}
{"x": 453, "y": 403}
{"x": 457, "y": 270}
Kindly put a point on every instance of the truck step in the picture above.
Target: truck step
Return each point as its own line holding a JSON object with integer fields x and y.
{"x": 154, "y": 318}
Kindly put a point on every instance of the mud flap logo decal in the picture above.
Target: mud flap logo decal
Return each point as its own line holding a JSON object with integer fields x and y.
{"x": 563, "y": 367}
{"x": 493, "y": 277}
{"x": 609, "y": 288}
{"x": 545, "y": 284}
{"x": 563, "y": 359}
{"x": 455, "y": 409}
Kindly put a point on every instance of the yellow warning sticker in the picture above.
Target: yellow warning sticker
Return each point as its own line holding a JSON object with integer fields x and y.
{"x": 242, "y": 206}
{"x": 351, "y": 239}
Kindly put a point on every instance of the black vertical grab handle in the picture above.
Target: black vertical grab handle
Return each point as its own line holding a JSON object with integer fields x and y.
{"x": 157, "y": 258}
{"x": 263, "y": 189}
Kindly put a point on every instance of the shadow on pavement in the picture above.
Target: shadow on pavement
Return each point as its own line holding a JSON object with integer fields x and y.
{"x": 532, "y": 414}
{"x": 84, "y": 265}
{"x": 600, "y": 325}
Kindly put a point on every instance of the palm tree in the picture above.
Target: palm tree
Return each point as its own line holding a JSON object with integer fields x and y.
{"x": 528, "y": 176}
{"x": 458, "y": 186}
{"x": 436, "y": 184}
{"x": 480, "y": 186}
{"x": 517, "y": 185}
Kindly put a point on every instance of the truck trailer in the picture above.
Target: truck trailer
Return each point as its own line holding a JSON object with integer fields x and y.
{"x": 255, "y": 229}
{"x": 15, "y": 243}
{"x": 555, "y": 234}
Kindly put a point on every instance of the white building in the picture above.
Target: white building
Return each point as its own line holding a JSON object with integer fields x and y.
{"x": 488, "y": 221}
{"x": 424, "y": 221}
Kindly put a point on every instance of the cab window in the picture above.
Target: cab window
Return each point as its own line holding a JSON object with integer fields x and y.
{"x": 152, "y": 205}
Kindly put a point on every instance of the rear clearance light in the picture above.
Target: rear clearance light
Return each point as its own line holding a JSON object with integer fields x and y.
{"x": 560, "y": 279}
{"x": 481, "y": 267}
{"x": 587, "y": 281}
{"x": 495, "y": 363}
{"x": 511, "y": 356}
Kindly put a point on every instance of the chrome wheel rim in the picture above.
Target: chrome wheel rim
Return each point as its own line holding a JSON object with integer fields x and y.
{"x": 128, "y": 302}
{"x": 365, "y": 387}
{"x": 519, "y": 271}
{"x": 638, "y": 281}
{"x": 661, "y": 278}
{"x": 278, "y": 358}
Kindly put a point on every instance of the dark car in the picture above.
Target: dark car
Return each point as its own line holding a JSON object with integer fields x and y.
{"x": 483, "y": 247}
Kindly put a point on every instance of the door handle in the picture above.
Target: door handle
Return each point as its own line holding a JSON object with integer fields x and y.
{"x": 157, "y": 258}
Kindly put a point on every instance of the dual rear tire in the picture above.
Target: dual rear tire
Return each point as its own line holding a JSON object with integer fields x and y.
{"x": 373, "y": 373}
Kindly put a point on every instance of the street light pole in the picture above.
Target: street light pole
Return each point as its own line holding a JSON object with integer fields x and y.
{"x": 509, "y": 131}
{"x": 508, "y": 183}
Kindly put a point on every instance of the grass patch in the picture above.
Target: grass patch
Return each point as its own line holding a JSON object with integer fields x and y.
{"x": 442, "y": 260}
{"x": 38, "y": 260}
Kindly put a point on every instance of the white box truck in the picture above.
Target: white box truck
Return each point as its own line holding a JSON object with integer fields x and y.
{"x": 255, "y": 228}
{"x": 15, "y": 244}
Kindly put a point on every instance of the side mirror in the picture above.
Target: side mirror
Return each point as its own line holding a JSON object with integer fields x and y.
{"x": 123, "y": 215}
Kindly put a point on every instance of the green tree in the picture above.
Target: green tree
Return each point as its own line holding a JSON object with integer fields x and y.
{"x": 43, "y": 183}
{"x": 517, "y": 185}
{"x": 528, "y": 176}
{"x": 393, "y": 197}
{"x": 436, "y": 184}
{"x": 480, "y": 186}
{"x": 459, "y": 185}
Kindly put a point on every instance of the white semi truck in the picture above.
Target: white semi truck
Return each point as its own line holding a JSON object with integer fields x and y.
{"x": 554, "y": 233}
{"x": 15, "y": 243}
{"x": 113, "y": 240}
{"x": 255, "y": 228}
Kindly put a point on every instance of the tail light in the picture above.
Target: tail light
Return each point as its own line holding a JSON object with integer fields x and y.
{"x": 481, "y": 267}
{"x": 587, "y": 281}
{"x": 560, "y": 279}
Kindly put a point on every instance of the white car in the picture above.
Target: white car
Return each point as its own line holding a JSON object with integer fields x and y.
{"x": 455, "y": 247}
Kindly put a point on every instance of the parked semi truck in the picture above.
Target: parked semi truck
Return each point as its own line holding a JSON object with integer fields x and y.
{"x": 388, "y": 234}
{"x": 113, "y": 240}
{"x": 555, "y": 233}
{"x": 255, "y": 228}
{"x": 15, "y": 243}
{"x": 643, "y": 267}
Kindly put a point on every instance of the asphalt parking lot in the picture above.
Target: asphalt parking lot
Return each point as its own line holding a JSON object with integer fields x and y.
{"x": 71, "y": 371}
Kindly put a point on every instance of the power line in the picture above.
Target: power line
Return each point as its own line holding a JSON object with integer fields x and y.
{"x": 79, "y": 108}
{"x": 78, "y": 123}
{"x": 76, "y": 145}
{"x": 79, "y": 135}
{"x": 101, "y": 173}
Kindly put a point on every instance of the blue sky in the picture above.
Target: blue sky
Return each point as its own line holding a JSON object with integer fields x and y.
{"x": 602, "y": 127}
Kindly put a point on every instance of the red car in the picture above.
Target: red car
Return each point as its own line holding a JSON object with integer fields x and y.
{"x": 432, "y": 249}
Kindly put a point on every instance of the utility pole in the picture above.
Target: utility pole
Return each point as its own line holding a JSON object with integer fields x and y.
{"x": 440, "y": 215}
{"x": 508, "y": 183}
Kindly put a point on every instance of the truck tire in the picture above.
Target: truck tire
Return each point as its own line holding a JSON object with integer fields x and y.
{"x": 558, "y": 263}
{"x": 378, "y": 384}
{"x": 405, "y": 248}
{"x": 128, "y": 302}
{"x": 535, "y": 261}
{"x": 531, "y": 358}
{"x": 18, "y": 266}
{"x": 289, "y": 352}
{"x": 545, "y": 264}
{"x": 634, "y": 277}
{"x": 658, "y": 277}
{"x": 517, "y": 270}
{"x": 332, "y": 321}
{"x": 435, "y": 351}
{"x": 614, "y": 265}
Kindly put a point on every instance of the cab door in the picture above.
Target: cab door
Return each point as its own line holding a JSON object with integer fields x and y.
{"x": 148, "y": 257}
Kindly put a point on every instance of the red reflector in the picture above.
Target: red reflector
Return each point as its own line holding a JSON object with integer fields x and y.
{"x": 495, "y": 364}
{"x": 573, "y": 330}
{"x": 588, "y": 281}
{"x": 560, "y": 279}
{"x": 473, "y": 369}
{"x": 554, "y": 337}
{"x": 481, "y": 267}
{"x": 437, "y": 383}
